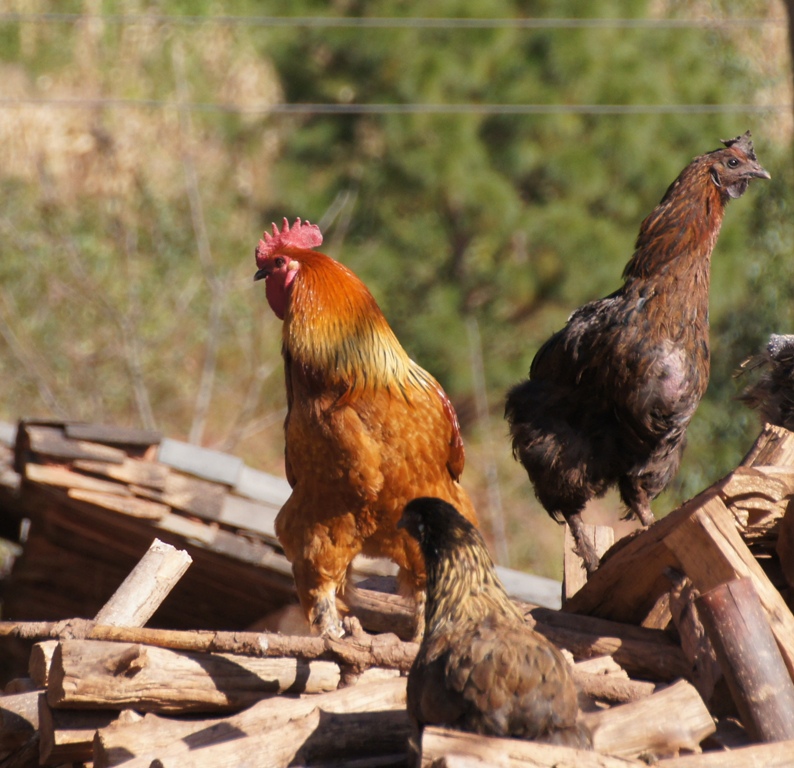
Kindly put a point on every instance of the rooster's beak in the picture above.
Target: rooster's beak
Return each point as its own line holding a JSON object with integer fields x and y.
{"x": 264, "y": 272}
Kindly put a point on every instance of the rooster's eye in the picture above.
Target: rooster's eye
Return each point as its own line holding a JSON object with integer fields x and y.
{"x": 279, "y": 261}
{"x": 733, "y": 162}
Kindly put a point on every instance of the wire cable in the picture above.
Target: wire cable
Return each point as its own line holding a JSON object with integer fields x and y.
{"x": 382, "y": 22}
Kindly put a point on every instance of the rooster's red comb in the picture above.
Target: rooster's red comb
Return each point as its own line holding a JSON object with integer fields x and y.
{"x": 301, "y": 236}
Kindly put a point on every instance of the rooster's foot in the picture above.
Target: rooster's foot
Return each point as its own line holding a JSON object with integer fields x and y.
{"x": 325, "y": 619}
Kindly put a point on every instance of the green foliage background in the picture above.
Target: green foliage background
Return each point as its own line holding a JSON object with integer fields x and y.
{"x": 127, "y": 231}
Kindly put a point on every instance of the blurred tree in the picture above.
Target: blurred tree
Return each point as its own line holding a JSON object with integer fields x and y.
{"x": 513, "y": 218}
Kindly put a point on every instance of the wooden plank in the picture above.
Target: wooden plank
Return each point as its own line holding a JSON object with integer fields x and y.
{"x": 262, "y": 487}
{"x": 125, "y": 505}
{"x": 64, "y": 478}
{"x": 238, "y": 512}
{"x": 202, "y": 462}
{"x": 199, "y": 497}
{"x": 104, "y": 433}
{"x": 528, "y": 587}
{"x": 711, "y": 552}
{"x": 51, "y": 441}
{"x": 8, "y": 434}
{"x": 131, "y": 471}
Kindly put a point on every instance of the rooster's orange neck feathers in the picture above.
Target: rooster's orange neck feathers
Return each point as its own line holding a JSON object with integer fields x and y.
{"x": 340, "y": 332}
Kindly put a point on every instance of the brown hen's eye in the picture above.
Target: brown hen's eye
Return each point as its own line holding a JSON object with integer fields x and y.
{"x": 733, "y": 162}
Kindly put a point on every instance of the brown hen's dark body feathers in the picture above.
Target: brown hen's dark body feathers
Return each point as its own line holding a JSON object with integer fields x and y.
{"x": 480, "y": 668}
{"x": 609, "y": 397}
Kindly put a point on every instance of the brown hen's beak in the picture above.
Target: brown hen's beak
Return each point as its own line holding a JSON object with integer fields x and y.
{"x": 264, "y": 272}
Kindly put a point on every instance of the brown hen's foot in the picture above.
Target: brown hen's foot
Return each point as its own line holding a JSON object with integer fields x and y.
{"x": 644, "y": 514}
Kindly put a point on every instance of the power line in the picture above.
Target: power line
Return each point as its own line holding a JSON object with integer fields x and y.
{"x": 383, "y": 22}
{"x": 402, "y": 109}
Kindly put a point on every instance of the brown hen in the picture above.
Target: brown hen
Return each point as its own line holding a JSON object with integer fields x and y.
{"x": 480, "y": 668}
{"x": 609, "y": 397}
{"x": 367, "y": 429}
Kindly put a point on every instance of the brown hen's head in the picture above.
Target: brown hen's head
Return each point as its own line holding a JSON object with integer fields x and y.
{"x": 461, "y": 579}
{"x": 732, "y": 168}
{"x": 276, "y": 262}
{"x": 438, "y": 527}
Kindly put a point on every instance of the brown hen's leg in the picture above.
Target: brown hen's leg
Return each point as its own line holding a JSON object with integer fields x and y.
{"x": 583, "y": 547}
{"x": 642, "y": 508}
{"x": 635, "y": 497}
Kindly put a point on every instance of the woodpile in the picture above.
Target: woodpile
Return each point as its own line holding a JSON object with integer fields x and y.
{"x": 682, "y": 642}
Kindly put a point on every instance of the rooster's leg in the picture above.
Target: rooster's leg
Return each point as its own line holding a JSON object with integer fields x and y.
{"x": 410, "y": 586}
{"x": 318, "y": 599}
{"x": 324, "y": 618}
{"x": 584, "y": 548}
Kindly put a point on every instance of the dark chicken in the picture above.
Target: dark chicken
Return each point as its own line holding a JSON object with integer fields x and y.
{"x": 609, "y": 397}
{"x": 367, "y": 429}
{"x": 480, "y": 668}
{"x": 772, "y": 394}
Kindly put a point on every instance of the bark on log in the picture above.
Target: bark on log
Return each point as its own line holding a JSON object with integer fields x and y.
{"x": 67, "y": 735}
{"x": 95, "y": 674}
{"x": 174, "y": 738}
{"x": 439, "y": 743}
{"x": 646, "y": 653}
{"x": 19, "y": 719}
{"x": 611, "y": 689}
{"x": 750, "y": 659}
{"x": 147, "y": 585}
{"x": 26, "y": 756}
{"x": 670, "y": 720}
{"x": 40, "y": 661}
{"x": 711, "y": 552}
{"x": 695, "y": 644}
{"x": 784, "y": 547}
{"x": 359, "y": 651}
{"x": 133, "y": 603}
{"x": 777, "y": 755}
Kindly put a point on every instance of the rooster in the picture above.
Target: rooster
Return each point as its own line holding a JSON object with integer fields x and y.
{"x": 480, "y": 668}
{"x": 609, "y": 397}
{"x": 366, "y": 430}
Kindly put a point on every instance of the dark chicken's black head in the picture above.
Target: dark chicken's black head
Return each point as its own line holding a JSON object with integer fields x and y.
{"x": 733, "y": 168}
